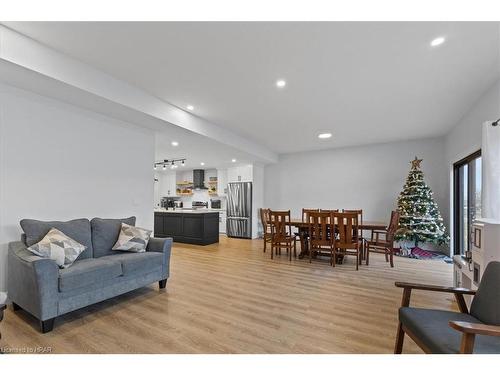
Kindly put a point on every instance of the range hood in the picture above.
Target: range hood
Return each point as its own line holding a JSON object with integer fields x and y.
{"x": 199, "y": 179}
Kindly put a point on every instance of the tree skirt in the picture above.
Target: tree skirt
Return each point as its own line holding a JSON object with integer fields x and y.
{"x": 418, "y": 253}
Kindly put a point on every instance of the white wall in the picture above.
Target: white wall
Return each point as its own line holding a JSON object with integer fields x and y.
{"x": 366, "y": 177}
{"x": 59, "y": 162}
{"x": 465, "y": 137}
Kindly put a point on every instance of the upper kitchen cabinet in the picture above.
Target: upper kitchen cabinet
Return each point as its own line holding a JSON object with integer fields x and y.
{"x": 243, "y": 173}
{"x": 221, "y": 182}
{"x": 166, "y": 184}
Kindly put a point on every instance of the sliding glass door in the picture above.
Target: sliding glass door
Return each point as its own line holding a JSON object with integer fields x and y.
{"x": 467, "y": 199}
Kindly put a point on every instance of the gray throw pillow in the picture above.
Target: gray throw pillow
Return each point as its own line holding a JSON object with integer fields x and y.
{"x": 132, "y": 239}
{"x": 58, "y": 247}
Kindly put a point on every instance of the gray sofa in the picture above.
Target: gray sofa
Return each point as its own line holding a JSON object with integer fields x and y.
{"x": 38, "y": 286}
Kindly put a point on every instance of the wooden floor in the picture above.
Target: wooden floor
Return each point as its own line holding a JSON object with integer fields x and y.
{"x": 232, "y": 298}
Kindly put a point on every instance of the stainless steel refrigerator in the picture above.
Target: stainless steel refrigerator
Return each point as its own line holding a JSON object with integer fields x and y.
{"x": 239, "y": 209}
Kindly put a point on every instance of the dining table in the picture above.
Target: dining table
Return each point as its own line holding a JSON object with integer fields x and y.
{"x": 303, "y": 230}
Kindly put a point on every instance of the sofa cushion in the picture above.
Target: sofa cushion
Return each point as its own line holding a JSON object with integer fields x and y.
{"x": 432, "y": 329}
{"x": 88, "y": 272}
{"x": 58, "y": 247}
{"x": 132, "y": 239}
{"x": 78, "y": 230}
{"x": 105, "y": 233}
{"x": 135, "y": 263}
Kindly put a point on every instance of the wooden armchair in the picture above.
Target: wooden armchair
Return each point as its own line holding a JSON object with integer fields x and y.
{"x": 281, "y": 234}
{"x": 347, "y": 241}
{"x": 266, "y": 226}
{"x": 384, "y": 245}
{"x": 321, "y": 233}
{"x": 449, "y": 332}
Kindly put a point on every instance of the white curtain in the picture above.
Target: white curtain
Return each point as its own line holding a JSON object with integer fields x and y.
{"x": 490, "y": 153}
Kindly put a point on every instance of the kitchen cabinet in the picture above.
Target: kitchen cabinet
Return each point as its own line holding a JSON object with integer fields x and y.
{"x": 168, "y": 184}
{"x": 243, "y": 173}
{"x": 194, "y": 227}
{"x": 222, "y": 222}
{"x": 221, "y": 182}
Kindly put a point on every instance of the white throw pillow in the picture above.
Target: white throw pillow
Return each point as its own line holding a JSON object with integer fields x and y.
{"x": 132, "y": 239}
{"x": 58, "y": 247}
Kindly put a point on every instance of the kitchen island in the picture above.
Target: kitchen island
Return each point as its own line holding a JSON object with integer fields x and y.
{"x": 199, "y": 227}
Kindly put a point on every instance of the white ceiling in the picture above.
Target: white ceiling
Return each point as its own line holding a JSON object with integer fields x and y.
{"x": 364, "y": 82}
{"x": 197, "y": 149}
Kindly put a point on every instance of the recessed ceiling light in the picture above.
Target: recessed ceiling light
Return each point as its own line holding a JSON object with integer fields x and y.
{"x": 189, "y": 107}
{"x": 174, "y": 143}
{"x": 233, "y": 160}
{"x": 438, "y": 41}
{"x": 202, "y": 163}
{"x": 280, "y": 83}
{"x": 325, "y": 135}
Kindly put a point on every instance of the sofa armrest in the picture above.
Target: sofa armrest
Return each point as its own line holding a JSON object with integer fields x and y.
{"x": 32, "y": 281}
{"x": 162, "y": 245}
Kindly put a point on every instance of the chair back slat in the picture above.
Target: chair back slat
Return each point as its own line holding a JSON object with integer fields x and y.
{"x": 280, "y": 225}
{"x": 264, "y": 217}
{"x": 359, "y": 212}
{"x": 306, "y": 212}
{"x": 320, "y": 229}
{"x": 347, "y": 225}
{"x": 393, "y": 226}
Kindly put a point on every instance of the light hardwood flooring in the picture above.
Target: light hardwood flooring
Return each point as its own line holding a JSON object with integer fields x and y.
{"x": 232, "y": 298}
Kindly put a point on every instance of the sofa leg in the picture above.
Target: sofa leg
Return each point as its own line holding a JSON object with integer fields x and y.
{"x": 162, "y": 283}
{"x": 400, "y": 336}
{"x": 16, "y": 307}
{"x": 47, "y": 325}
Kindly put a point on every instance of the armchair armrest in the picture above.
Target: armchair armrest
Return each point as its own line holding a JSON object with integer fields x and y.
{"x": 469, "y": 332}
{"x": 458, "y": 292}
{"x": 32, "y": 281}
{"x": 434, "y": 288}
{"x": 475, "y": 328}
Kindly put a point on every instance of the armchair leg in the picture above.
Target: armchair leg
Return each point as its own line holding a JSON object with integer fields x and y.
{"x": 47, "y": 325}
{"x": 367, "y": 254}
{"x": 391, "y": 258}
{"x": 162, "y": 283}
{"x": 400, "y": 336}
{"x": 467, "y": 344}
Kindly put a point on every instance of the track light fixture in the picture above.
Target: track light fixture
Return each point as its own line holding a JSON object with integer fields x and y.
{"x": 169, "y": 162}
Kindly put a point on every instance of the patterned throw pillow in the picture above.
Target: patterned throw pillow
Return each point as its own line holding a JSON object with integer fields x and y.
{"x": 132, "y": 239}
{"x": 58, "y": 247}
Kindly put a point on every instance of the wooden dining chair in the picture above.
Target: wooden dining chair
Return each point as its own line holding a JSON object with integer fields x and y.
{"x": 320, "y": 233}
{"x": 266, "y": 226}
{"x": 384, "y": 245}
{"x": 303, "y": 236}
{"x": 360, "y": 232}
{"x": 281, "y": 234}
{"x": 346, "y": 241}
{"x": 306, "y": 212}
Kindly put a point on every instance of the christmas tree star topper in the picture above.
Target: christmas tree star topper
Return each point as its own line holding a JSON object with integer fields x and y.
{"x": 415, "y": 164}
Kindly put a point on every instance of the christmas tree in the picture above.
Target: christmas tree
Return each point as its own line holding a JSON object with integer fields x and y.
{"x": 420, "y": 219}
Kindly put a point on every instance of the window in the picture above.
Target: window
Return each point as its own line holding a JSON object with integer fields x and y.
{"x": 467, "y": 199}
